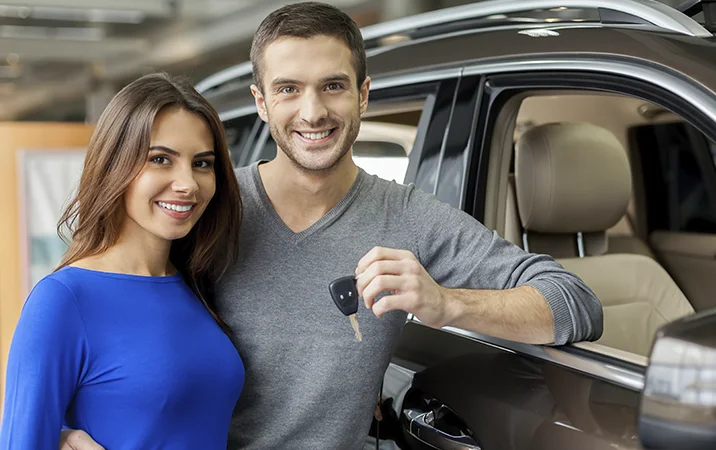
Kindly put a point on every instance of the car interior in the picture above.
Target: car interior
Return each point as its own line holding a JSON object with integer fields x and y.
{"x": 573, "y": 185}
{"x": 577, "y": 175}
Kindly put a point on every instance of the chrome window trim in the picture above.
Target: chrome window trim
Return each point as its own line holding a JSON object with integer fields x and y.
{"x": 691, "y": 92}
{"x": 414, "y": 78}
{"x": 230, "y": 73}
{"x": 238, "y": 112}
{"x": 651, "y": 11}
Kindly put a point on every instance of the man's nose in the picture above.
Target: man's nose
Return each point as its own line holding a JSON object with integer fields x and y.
{"x": 313, "y": 110}
{"x": 184, "y": 181}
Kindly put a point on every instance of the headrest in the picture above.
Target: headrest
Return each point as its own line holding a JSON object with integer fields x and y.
{"x": 571, "y": 177}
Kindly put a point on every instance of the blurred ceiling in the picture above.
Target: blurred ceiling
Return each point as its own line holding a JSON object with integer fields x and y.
{"x": 58, "y": 58}
{"x": 53, "y": 53}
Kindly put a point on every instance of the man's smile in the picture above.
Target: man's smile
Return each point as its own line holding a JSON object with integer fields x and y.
{"x": 316, "y": 137}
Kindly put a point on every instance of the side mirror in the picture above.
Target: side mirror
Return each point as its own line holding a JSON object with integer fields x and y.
{"x": 678, "y": 405}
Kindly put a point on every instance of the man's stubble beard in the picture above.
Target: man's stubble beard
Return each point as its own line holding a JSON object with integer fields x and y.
{"x": 338, "y": 152}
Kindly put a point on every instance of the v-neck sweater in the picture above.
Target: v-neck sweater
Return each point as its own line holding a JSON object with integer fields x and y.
{"x": 309, "y": 383}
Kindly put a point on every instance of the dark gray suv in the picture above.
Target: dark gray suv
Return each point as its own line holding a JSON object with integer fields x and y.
{"x": 584, "y": 129}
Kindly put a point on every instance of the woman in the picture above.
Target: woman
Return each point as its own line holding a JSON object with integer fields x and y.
{"x": 122, "y": 340}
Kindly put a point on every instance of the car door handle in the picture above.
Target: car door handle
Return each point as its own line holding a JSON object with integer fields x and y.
{"x": 419, "y": 425}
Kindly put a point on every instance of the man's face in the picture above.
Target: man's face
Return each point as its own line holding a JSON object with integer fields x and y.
{"x": 310, "y": 100}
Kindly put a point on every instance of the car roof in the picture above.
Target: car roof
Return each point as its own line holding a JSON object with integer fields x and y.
{"x": 403, "y": 47}
{"x": 693, "y": 56}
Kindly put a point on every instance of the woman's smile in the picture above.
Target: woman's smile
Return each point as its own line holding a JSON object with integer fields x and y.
{"x": 177, "y": 210}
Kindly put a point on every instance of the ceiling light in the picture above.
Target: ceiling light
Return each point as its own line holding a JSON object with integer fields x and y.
{"x": 88, "y": 15}
{"x": 73, "y": 14}
{"x": 63, "y": 33}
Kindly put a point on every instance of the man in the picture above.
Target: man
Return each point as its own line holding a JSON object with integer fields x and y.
{"x": 312, "y": 216}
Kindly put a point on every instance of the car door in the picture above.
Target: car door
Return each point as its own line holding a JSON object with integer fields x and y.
{"x": 472, "y": 391}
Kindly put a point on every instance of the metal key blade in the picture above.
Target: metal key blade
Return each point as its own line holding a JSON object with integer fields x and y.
{"x": 354, "y": 323}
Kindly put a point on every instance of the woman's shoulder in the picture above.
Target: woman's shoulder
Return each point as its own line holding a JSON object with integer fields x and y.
{"x": 51, "y": 296}
{"x": 68, "y": 283}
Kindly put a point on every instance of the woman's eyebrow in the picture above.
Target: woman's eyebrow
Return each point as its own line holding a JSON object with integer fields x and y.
{"x": 165, "y": 149}
{"x": 176, "y": 153}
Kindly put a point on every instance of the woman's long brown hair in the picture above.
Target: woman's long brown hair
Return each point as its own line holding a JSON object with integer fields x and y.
{"x": 117, "y": 153}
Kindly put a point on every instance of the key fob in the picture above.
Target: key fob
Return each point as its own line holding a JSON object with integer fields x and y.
{"x": 345, "y": 294}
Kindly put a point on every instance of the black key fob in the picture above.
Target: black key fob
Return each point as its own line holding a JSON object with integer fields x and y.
{"x": 345, "y": 294}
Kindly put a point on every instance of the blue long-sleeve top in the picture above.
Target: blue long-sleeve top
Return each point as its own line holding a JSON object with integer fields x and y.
{"x": 135, "y": 361}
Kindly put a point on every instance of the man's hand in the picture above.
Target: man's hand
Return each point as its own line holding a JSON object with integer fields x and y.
{"x": 410, "y": 286}
{"x": 519, "y": 314}
{"x": 77, "y": 440}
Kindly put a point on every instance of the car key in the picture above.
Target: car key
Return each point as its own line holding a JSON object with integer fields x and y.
{"x": 345, "y": 295}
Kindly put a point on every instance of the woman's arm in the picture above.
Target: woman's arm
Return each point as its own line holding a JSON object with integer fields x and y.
{"x": 47, "y": 359}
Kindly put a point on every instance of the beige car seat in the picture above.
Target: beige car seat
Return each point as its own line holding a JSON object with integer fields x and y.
{"x": 572, "y": 183}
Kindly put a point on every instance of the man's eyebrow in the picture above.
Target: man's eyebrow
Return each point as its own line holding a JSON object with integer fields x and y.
{"x": 282, "y": 81}
{"x": 336, "y": 77}
{"x": 176, "y": 153}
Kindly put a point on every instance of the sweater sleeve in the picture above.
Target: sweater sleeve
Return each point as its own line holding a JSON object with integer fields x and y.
{"x": 460, "y": 252}
{"x": 47, "y": 358}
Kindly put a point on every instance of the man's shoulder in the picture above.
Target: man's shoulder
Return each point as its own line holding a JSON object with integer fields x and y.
{"x": 409, "y": 195}
{"x": 243, "y": 175}
{"x": 381, "y": 187}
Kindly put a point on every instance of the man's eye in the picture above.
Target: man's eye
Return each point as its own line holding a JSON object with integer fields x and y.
{"x": 287, "y": 90}
{"x": 159, "y": 160}
{"x": 334, "y": 87}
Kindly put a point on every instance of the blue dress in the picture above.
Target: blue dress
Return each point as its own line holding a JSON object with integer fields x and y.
{"x": 135, "y": 361}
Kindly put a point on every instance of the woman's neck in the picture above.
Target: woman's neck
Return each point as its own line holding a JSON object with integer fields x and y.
{"x": 134, "y": 255}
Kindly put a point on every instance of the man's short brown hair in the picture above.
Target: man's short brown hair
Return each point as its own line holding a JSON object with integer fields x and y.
{"x": 306, "y": 20}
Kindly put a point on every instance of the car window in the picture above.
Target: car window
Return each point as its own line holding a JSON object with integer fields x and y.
{"x": 240, "y": 134}
{"x": 388, "y": 160}
{"x": 663, "y": 147}
{"x": 677, "y": 180}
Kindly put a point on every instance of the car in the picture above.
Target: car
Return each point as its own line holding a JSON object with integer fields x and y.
{"x": 583, "y": 129}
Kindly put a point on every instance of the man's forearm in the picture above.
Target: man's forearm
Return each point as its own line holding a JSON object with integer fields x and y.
{"x": 521, "y": 314}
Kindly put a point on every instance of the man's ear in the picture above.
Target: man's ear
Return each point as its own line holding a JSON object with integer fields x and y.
{"x": 364, "y": 90}
{"x": 260, "y": 102}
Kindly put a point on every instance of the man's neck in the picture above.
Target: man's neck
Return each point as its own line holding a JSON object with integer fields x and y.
{"x": 301, "y": 198}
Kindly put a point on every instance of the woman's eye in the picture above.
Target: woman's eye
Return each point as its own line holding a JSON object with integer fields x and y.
{"x": 159, "y": 160}
{"x": 203, "y": 164}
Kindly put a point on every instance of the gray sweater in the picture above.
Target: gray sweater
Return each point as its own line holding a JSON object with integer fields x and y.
{"x": 309, "y": 383}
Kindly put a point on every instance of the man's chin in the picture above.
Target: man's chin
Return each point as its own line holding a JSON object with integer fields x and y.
{"x": 316, "y": 163}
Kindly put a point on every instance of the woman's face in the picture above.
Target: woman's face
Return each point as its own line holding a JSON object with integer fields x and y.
{"x": 177, "y": 182}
